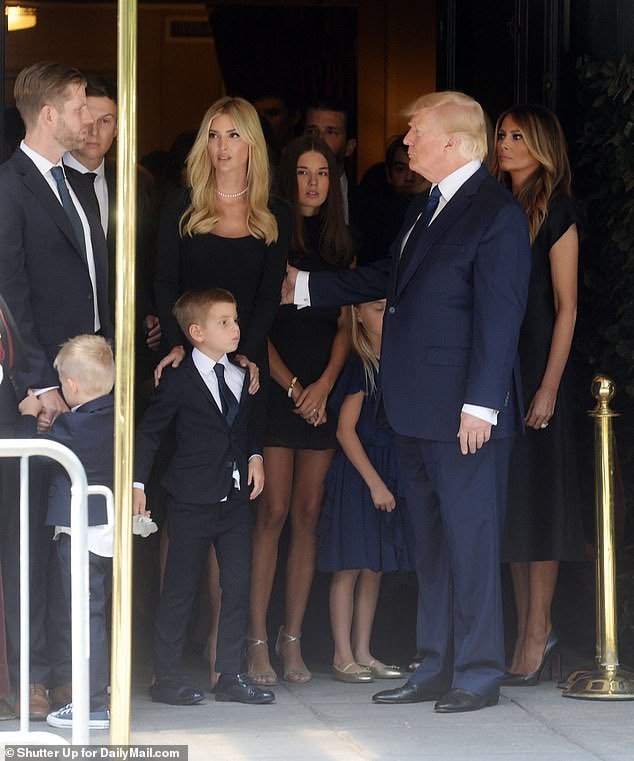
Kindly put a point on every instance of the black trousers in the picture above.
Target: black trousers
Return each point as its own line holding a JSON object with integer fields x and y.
{"x": 192, "y": 529}
{"x": 100, "y": 572}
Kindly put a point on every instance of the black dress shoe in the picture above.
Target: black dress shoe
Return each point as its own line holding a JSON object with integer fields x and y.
{"x": 174, "y": 692}
{"x": 241, "y": 689}
{"x": 407, "y": 693}
{"x": 459, "y": 701}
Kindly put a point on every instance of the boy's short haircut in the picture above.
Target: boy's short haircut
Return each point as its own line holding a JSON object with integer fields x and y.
{"x": 193, "y": 306}
{"x": 43, "y": 83}
{"x": 87, "y": 359}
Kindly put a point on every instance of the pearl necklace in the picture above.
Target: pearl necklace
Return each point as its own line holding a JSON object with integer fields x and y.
{"x": 231, "y": 195}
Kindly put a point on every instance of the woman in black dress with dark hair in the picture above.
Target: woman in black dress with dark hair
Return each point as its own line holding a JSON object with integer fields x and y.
{"x": 225, "y": 231}
{"x": 543, "y": 524}
{"x": 307, "y": 350}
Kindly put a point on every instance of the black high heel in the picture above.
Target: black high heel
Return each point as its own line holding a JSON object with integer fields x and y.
{"x": 551, "y": 649}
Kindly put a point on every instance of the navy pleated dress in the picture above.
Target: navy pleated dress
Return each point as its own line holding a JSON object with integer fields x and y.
{"x": 352, "y": 533}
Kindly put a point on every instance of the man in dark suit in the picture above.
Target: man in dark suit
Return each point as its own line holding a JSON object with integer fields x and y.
{"x": 54, "y": 277}
{"x": 100, "y": 176}
{"x": 456, "y": 283}
{"x": 214, "y": 473}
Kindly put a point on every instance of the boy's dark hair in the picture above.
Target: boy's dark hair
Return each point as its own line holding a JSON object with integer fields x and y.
{"x": 394, "y": 145}
{"x": 100, "y": 87}
{"x": 42, "y": 84}
{"x": 193, "y": 306}
{"x": 331, "y": 103}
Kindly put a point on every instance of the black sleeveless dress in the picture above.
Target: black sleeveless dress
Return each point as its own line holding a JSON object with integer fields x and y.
{"x": 303, "y": 338}
{"x": 543, "y": 519}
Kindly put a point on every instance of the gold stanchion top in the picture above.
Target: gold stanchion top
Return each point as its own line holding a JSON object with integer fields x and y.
{"x": 603, "y": 390}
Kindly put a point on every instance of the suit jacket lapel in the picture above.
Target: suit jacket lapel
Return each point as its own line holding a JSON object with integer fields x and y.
{"x": 413, "y": 211}
{"x": 457, "y": 204}
{"x": 192, "y": 372}
{"x": 39, "y": 187}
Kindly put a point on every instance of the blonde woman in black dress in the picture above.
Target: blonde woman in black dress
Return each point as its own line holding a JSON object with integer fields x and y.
{"x": 226, "y": 231}
{"x": 543, "y": 525}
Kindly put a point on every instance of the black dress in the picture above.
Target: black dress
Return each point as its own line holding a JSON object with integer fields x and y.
{"x": 246, "y": 266}
{"x": 303, "y": 338}
{"x": 543, "y": 520}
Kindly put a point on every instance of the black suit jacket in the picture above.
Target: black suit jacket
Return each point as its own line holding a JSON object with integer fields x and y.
{"x": 200, "y": 471}
{"x": 43, "y": 273}
{"x": 89, "y": 433}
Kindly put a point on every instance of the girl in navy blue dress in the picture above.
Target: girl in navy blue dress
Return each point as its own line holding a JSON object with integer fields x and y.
{"x": 364, "y": 526}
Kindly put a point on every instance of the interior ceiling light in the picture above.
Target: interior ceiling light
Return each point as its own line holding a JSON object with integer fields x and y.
{"x": 20, "y": 17}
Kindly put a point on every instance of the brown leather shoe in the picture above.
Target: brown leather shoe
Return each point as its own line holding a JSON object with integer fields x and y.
{"x": 60, "y": 696}
{"x": 39, "y": 707}
{"x": 6, "y": 711}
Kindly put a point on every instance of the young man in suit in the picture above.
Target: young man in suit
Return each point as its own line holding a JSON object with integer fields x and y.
{"x": 86, "y": 371}
{"x": 215, "y": 471}
{"x": 54, "y": 277}
{"x": 456, "y": 283}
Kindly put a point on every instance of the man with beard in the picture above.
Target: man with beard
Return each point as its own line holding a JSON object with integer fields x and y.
{"x": 54, "y": 277}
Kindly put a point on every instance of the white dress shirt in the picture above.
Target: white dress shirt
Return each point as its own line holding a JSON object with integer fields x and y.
{"x": 448, "y": 186}
{"x": 99, "y": 539}
{"x": 44, "y": 166}
{"x": 101, "y": 186}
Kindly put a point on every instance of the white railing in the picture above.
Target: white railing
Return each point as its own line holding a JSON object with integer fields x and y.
{"x": 80, "y": 624}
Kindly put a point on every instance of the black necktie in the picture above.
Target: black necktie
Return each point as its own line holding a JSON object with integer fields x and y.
{"x": 230, "y": 405}
{"x": 69, "y": 208}
{"x": 420, "y": 226}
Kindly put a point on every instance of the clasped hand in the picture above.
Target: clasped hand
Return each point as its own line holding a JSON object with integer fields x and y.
{"x": 288, "y": 285}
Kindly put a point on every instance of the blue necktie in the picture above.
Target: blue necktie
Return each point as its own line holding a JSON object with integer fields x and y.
{"x": 230, "y": 404}
{"x": 420, "y": 225}
{"x": 69, "y": 208}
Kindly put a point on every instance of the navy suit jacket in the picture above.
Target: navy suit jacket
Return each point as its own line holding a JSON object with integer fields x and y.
{"x": 453, "y": 314}
{"x": 89, "y": 433}
{"x": 201, "y": 469}
{"x": 43, "y": 273}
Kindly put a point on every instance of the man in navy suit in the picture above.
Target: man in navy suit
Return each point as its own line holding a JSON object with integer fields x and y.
{"x": 456, "y": 281}
{"x": 54, "y": 277}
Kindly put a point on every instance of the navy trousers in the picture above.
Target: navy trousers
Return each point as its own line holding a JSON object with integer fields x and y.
{"x": 192, "y": 529}
{"x": 457, "y": 503}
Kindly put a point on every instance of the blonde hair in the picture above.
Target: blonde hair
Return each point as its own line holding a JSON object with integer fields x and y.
{"x": 88, "y": 360}
{"x": 203, "y": 213}
{"x": 546, "y": 143}
{"x": 458, "y": 115}
{"x": 362, "y": 345}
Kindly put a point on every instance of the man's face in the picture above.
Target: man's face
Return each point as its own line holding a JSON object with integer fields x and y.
{"x": 101, "y": 133}
{"x": 428, "y": 146}
{"x": 330, "y": 126}
{"x": 275, "y": 111}
{"x": 71, "y": 119}
{"x": 401, "y": 177}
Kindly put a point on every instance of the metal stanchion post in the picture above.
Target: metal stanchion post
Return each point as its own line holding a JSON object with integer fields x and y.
{"x": 608, "y": 680}
{"x": 124, "y": 382}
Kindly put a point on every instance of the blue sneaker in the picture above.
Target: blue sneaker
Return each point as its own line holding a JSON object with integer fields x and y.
{"x": 64, "y": 718}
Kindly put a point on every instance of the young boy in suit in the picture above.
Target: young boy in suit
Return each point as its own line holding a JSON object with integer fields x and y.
{"x": 215, "y": 471}
{"x": 86, "y": 371}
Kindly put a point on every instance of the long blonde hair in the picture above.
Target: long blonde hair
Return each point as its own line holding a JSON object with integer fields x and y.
{"x": 363, "y": 346}
{"x": 203, "y": 213}
{"x": 546, "y": 143}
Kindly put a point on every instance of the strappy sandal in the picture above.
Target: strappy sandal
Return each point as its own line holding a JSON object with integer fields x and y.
{"x": 296, "y": 676}
{"x": 343, "y": 674}
{"x": 266, "y": 678}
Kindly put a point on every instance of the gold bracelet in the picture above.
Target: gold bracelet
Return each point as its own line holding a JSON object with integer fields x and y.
{"x": 292, "y": 386}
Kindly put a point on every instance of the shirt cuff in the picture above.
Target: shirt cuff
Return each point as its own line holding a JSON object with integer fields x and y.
{"x": 484, "y": 413}
{"x": 256, "y": 455}
{"x": 139, "y": 485}
{"x": 301, "y": 298}
{"x": 38, "y": 391}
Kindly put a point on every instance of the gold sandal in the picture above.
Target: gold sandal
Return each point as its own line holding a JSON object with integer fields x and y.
{"x": 352, "y": 677}
{"x": 296, "y": 676}
{"x": 382, "y": 671}
{"x": 266, "y": 678}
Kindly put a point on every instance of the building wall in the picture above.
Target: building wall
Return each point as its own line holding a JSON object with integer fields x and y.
{"x": 178, "y": 80}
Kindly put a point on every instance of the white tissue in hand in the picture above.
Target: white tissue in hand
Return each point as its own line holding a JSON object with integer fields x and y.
{"x": 143, "y": 526}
